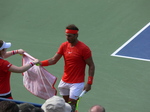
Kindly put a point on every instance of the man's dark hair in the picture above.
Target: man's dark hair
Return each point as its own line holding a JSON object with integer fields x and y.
{"x": 1, "y": 43}
{"x": 72, "y": 27}
{"x": 36, "y": 109}
{"x": 26, "y": 107}
{"x": 8, "y": 106}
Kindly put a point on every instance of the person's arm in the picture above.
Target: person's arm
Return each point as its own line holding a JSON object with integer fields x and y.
{"x": 51, "y": 61}
{"x": 24, "y": 68}
{"x": 10, "y": 53}
{"x": 91, "y": 71}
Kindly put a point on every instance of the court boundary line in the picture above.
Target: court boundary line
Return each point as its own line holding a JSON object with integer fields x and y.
{"x": 127, "y": 42}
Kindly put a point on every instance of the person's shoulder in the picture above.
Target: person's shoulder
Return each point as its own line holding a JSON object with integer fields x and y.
{"x": 4, "y": 61}
{"x": 65, "y": 43}
{"x": 83, "y": 45}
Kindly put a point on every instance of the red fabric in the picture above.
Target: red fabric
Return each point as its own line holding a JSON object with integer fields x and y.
{"x": 38, "y": 80}
{"x": 71, "y": 31}
{"x": 90, "y": 80}
{"x": 74, "y": 69}
{"x": 4, "y": 76}
{"x": 10, "y": 97}
{"x": 44, "y": 63}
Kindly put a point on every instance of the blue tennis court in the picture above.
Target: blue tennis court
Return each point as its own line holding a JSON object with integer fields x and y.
{"x": 137, "y": 47}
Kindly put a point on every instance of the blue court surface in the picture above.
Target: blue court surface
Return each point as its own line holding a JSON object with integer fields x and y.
{"x": 137, "y": 47}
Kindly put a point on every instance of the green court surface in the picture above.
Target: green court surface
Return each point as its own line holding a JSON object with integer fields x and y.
{"x": 37, "y": 26}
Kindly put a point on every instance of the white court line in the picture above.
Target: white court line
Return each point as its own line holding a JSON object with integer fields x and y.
{"x": 132, "y": 58}
{"x": 115, "y": 53}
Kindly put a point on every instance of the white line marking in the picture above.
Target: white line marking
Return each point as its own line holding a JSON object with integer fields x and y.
{"x": 127, "y": 42}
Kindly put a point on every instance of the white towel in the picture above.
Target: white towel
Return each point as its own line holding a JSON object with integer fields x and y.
{"x": 38, "y": 80}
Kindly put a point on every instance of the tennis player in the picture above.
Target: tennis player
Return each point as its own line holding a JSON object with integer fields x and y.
{"x": 76, "y": 56}
{"x": 6, "y": 68}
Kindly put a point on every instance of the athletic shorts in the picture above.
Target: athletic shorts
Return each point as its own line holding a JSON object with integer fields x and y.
{"x": 71, "y": 89}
